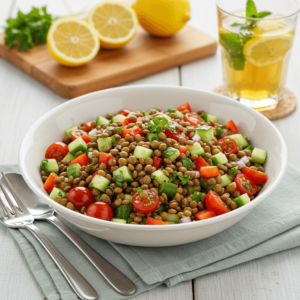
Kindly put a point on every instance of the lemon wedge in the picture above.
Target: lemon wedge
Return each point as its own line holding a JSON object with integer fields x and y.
{"x": 270, "y": 28}
{"x": 264, "y": 51}
{"x": 115, "y": 23}
{"x": 72, "y": 42}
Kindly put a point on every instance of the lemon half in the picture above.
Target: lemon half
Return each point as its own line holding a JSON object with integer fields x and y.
{"x": 72, "y": 42}
{"x": 115, "y": 23}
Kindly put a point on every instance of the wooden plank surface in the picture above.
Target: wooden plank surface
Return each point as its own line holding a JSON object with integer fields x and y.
{"x": 143, "y": 56}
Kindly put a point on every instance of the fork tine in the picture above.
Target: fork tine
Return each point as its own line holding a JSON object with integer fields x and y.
{"x": 16, "y": 197}
{"x": 4, "y": 205}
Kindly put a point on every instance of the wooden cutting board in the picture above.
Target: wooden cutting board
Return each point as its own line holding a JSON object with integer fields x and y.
{"x": 143, "y": 56}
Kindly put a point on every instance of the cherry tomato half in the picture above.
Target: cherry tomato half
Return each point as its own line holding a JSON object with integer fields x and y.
{"x": 105, "y": 158}
{"x": 204, "y": 214}
{"x": 156, "y": 162}
{"x": 125, "y": 112}
{"x": 146, "y": 205}
{"x": 174, "y": 136}
{"x": 152, "y": 221}
{"x": 88, "y": 126}
{"x": 256, "y": 176}
{"x": 77, "y": 133}
{"x": 184, "y": 106}
{"x": 231, "y": 125}
{"x": 57, "y": 150}
{"x": 132, "y": 131}
{"x": 214, "y": 202}
{"x": 128, "y": 121}
{"x": 193, "y": 119}
{"x": 229, "y": 146}
{"x": 245, "y": 185}
{"x": 100, "y": 210}
{"x": 80, "y": 196}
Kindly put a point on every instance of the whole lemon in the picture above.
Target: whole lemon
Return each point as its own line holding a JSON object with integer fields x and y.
{"x": 162, "y": 18}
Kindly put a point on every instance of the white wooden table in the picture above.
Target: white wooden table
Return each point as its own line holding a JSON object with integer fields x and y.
{"x": 23, "y": 100}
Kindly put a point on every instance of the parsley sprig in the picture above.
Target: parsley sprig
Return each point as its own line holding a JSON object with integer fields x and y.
{"x": 188, "y": 163}
{"x": 183, "y": 179}
{"x": 158, "y": 126}
{"x": 119, "y": 179}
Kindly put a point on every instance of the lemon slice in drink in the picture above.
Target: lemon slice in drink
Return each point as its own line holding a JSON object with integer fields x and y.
{"x": 270, "y": 28}
{"x": 72, "y": 42}
{"x": 115, "y": 23}
{"x": 264, "y": 51}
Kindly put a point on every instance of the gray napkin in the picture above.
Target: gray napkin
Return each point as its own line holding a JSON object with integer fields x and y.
{"x": 271, "y": 227}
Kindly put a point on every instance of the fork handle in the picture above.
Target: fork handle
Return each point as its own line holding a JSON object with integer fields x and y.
{"x": 115, "y": 278}
{"x": 80, "y": 286}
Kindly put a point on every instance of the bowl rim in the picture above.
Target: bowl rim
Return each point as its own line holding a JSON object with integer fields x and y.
{"x": 133, "y": 227}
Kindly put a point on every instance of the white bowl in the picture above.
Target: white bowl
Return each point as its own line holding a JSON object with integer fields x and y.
{"x": 50, "y": 128}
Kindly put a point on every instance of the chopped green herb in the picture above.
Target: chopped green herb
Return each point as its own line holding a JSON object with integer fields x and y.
{"x": 157, "y": 126}
{"x": 227, "y": 142}
{"x": 110, "y": 187}
{"x": 151, "y": 196}
{"x": 197, "y": 196}
{"x": 184, "y": 179}
{"x": 144, "y": 221}
{"x": 233, "y": 171}
{"x": 166, "y": 203}
{"x": 219, "y": 131}
{"x": 129, "y": 220}
{"x": 171, "y": 111}
{"x": 172, "y": 176}
{"x": 84, "y": 213}
{"x": 139, "y": 190}
{"x": 119, "y": 179}
{"x": 187, "y": 163}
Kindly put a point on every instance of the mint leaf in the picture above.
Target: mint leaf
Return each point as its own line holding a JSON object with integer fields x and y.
{"x": 187, "y": 163}
{"x": 251, "y": 10}
{"x": 263, "y": 14}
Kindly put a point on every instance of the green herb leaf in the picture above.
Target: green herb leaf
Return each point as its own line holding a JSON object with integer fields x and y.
{"x": 219, "y": 131}
{"x": 183, "y": 179}
{"x": 166, "y": 203}
{"x": 129, "y": 220}
{"x": 139, "y": 190}
{"x": 171, "y": 111}
{"x": 251, "y": 10}
{"x": 233, "y": 171}
{"x": 187, "y": 163}
{"x": 197, "y": 196}
{"x": 172, "y": 176}
{"x": 144, "y": 221}
{"x": 110, "y": 187}
{"x": 119, "y": 179}
{"x": 263, "y": 14}
{"x": 151, "y": 196}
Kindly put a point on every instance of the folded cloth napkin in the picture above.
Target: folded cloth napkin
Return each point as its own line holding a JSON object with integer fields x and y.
{"x": 271, "y": 227}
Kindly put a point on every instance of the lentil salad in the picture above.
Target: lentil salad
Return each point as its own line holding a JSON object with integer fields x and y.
{"x": 155, "y": 167}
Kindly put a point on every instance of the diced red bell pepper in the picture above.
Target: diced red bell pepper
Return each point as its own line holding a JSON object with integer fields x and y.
{"x": 156, "y": 162}
{"x": 88, "y": 126}
{"x": 132, "y": 131}
{"x": 209, "y": 171}
{"x": 152, "y": 221}
{"x": 184, "y": 106}
{"x": 86, "y": 138}
{"x": 81, "y": 159}
{"x": 125, "y": 112}
{"x": 230, "y": 124}
{"x": 96, "y": 173}
{"x": 183, "y": 149}
{"x": 49, "y": 183}
{"x": 105, "y": 158}
{"x": 204, "y": 214}
{"x": 256, "y": 176}
{"x": 200, "y": 162}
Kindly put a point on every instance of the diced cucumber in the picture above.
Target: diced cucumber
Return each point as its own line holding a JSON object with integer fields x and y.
{"x": 124, "y": 174}
{"x": 205, "y": 185}
{"x": 225, "y": 180}
{"x": 168, "y": 188}
{"x": 142, "y": 152}
{"x": 165, "y": 116}
{"x": 50, "y": 166}
{"x": 208, "y": 118}
{"x": 177, "y": 112}
{"x": 259, "y": 156}
{"x": 160, "y": 177}
{"x": 118, "y": 220}
{"x": 69, "y": 156}
{"x": 173, "y": 218}
{"x": 128, "y": 197}
{"x": 99, "y": 182}
{"x": 196, "y": 149}
{"x": 242, "y": 200}
{"x": 205, "y": 132}
{"x": 69, "y": 130}
{"x": 240, "y": 140}
{"x": 100, "y": 120}
{"x": 219, "y": 159}
{"x": 104, "y": 143}
{"x": 192, "y": 189}
{"x": 147, "y": 113}
{"x": 57, "y": 192}
{"x": 152, "y": 137}
{"x": 74, "y": 170}
{"x": 123, "y": 211}
{"x": 118, "y": 118}
{"x": 77, "y": 145}
{"x": 197, "y": 196}
{"x": 171, "y": 153}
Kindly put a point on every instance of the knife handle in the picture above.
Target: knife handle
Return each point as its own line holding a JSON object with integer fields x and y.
{"x": 115, "y": 278}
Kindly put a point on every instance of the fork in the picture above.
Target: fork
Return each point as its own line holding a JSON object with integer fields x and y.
{"x": 19, "y": 217}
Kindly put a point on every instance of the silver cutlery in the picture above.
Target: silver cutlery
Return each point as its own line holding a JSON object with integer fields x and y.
{"x": 16, "y": 215}
{"x": 42, "y": 211}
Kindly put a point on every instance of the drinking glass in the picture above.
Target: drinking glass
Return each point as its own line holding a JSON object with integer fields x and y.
{"x": 256, "y": 44}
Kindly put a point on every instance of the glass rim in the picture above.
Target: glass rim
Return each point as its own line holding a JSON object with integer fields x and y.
{"x": 261, "y": 19}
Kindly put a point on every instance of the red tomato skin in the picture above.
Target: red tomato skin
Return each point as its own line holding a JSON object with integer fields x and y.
{"x": 231, "y": 125}
{"x": 256, "y": 176}
{"x": 86, "y": 138}
{"x": 156, "y": 162}
{"x": 138, "y": 202}
{"x": 100, "y": 210}
{"x": 183, "y": 149}
{"x": 96, "y": 173}
{"x": 77, "y": 133}
{"x": 193, "y": 119}
{"x": 225, "y": 146}
{"x": 213, "y": 202}
{"x": 57, "y": 150}
{"x": 173, "y": 136}
{"x": 240, "y": 187}
{"x": 184, "y": 106}
{"x": 132, "y": 131}
{"x": 125, "y": 112}
{"x": 200, "y": 162}
{"x": 88, "y": 126}
{"x": 204, "y": 214}
{"x": 80, "y": 196}
{"x": 128, "y": 121}
{"x": 105, "y": 158}
{"x": 152, "y": 221}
